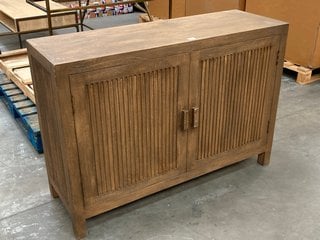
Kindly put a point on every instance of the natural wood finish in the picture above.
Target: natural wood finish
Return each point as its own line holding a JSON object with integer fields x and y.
{"x": 234, "y": 106}
{"x": 22, "y": 82}
{"x": 305, "y": 75}
{"x": 15, "y": 64}
{"x": 115, "y": 118}
{"x": 24, "y": 74}
{"x": 120, "y": 123}
{"x": 13, "y": 59}
{"x": 17, "y": 52}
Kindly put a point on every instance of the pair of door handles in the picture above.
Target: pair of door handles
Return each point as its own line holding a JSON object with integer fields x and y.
{"x": 194, "y": 118}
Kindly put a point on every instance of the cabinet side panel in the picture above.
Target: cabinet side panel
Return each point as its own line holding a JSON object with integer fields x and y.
{"x": 42, "y": 82}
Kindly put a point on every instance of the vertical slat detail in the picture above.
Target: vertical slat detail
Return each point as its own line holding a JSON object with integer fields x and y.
{"x": 231, "y": 118}
{"x": 134, "y": 131}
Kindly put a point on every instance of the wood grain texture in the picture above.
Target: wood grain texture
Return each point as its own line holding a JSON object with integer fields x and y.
{"x": 122, "y": 94}
{"x": 15, "y": 64}
{"x": 123, "y": 123}
{"x": 232, "y": 89}
{"x": 149, "y": 35}
{"x": 48, "y": 126}
{"x": 21, "y": 79}
{"x": 238, "y": 95}
{"x": 130, "y": 125}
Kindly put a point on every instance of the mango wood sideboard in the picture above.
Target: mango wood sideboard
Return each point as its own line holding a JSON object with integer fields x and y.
{"x": 129, "y": 111}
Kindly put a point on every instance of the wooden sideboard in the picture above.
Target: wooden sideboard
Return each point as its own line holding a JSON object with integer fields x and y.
{"x": 129, "y": 111}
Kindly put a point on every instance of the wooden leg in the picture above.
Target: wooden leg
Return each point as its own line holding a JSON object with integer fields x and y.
{"x": 53, "y": 192}
{"x": 79, "y": 227}
{"x": 264, "y": 158}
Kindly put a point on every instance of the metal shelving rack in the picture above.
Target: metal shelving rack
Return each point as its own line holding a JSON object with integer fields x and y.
{"x": 18, "y": 16}
{"x": 82, "y": 10}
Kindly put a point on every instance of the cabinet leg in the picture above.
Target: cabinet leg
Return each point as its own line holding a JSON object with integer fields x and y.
{"x": 264, "y": 158}
{"x": 79, "y": 227}
{"x": 53, "y": 192}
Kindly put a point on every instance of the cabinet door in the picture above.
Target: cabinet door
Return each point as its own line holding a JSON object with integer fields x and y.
{"x": 128, "y": 125}
{"x": 231, "y": 93}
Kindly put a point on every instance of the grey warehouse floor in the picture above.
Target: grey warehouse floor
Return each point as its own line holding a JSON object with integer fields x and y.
{"x": 241, "y": 202}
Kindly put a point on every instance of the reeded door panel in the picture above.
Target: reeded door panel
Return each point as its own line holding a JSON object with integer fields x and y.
{"x": 128, "y": 125}
{"x": 231, "y": 89}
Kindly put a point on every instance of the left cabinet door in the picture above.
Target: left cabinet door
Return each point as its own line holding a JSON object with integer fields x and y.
{"x": 128, "y": 127}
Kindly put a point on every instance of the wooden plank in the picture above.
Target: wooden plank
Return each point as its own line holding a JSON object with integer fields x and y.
{"x": 24, "y": 74}
{"x": 12, "y": 92}
{"x": 17, "y": 98}
{"x": 30, "y": 125}
{"x": 23, "y": 104}
{"x": 9, "y": 86}
{"x": 42, "y": 23}
{"x": 33, "y": 122}
{"x": 17, "y": 52}
{"x": 13, "y": 61}
{"x": 8, "y": 56}
{"x": 24, "y": 88}
{"x": 28, "y": 110}
{"x": 4, "y": 79}
{"x": 10, "y": 95}
{"x": 15, "y": 64}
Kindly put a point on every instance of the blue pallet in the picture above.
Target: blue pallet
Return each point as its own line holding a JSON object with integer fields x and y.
{"x": 30, "y": 126}
{"x": 23, "y": 110}
{"x": 3, "y": 82}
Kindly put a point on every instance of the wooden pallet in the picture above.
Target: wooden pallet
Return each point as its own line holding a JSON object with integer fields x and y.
{"x": 305, "y": 75}
{"x": 13, "y": 59}
{"x": 23, "y": 110}
{"x": 15, "y": 64}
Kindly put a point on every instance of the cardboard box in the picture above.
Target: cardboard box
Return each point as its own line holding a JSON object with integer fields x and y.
{"x": 159, "y": 8}
{"x": 303, "y": 46}
{"x": 181, "y": 8}
{"x": 177, "y": 8}
{"x": 194, "y": 7}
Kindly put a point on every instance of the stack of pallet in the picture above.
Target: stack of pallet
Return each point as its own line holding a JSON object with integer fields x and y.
{"x": 15, "y": 64}
{"x": 16, "y": 91}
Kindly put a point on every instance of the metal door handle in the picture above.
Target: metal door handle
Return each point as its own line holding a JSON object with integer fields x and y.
{"x": 185, "y": 120}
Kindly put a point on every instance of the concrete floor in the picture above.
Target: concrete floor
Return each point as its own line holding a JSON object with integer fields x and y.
{"x": 241, "y": 202}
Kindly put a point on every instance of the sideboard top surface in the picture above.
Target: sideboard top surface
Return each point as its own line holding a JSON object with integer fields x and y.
{"x": 75, "y": 47}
